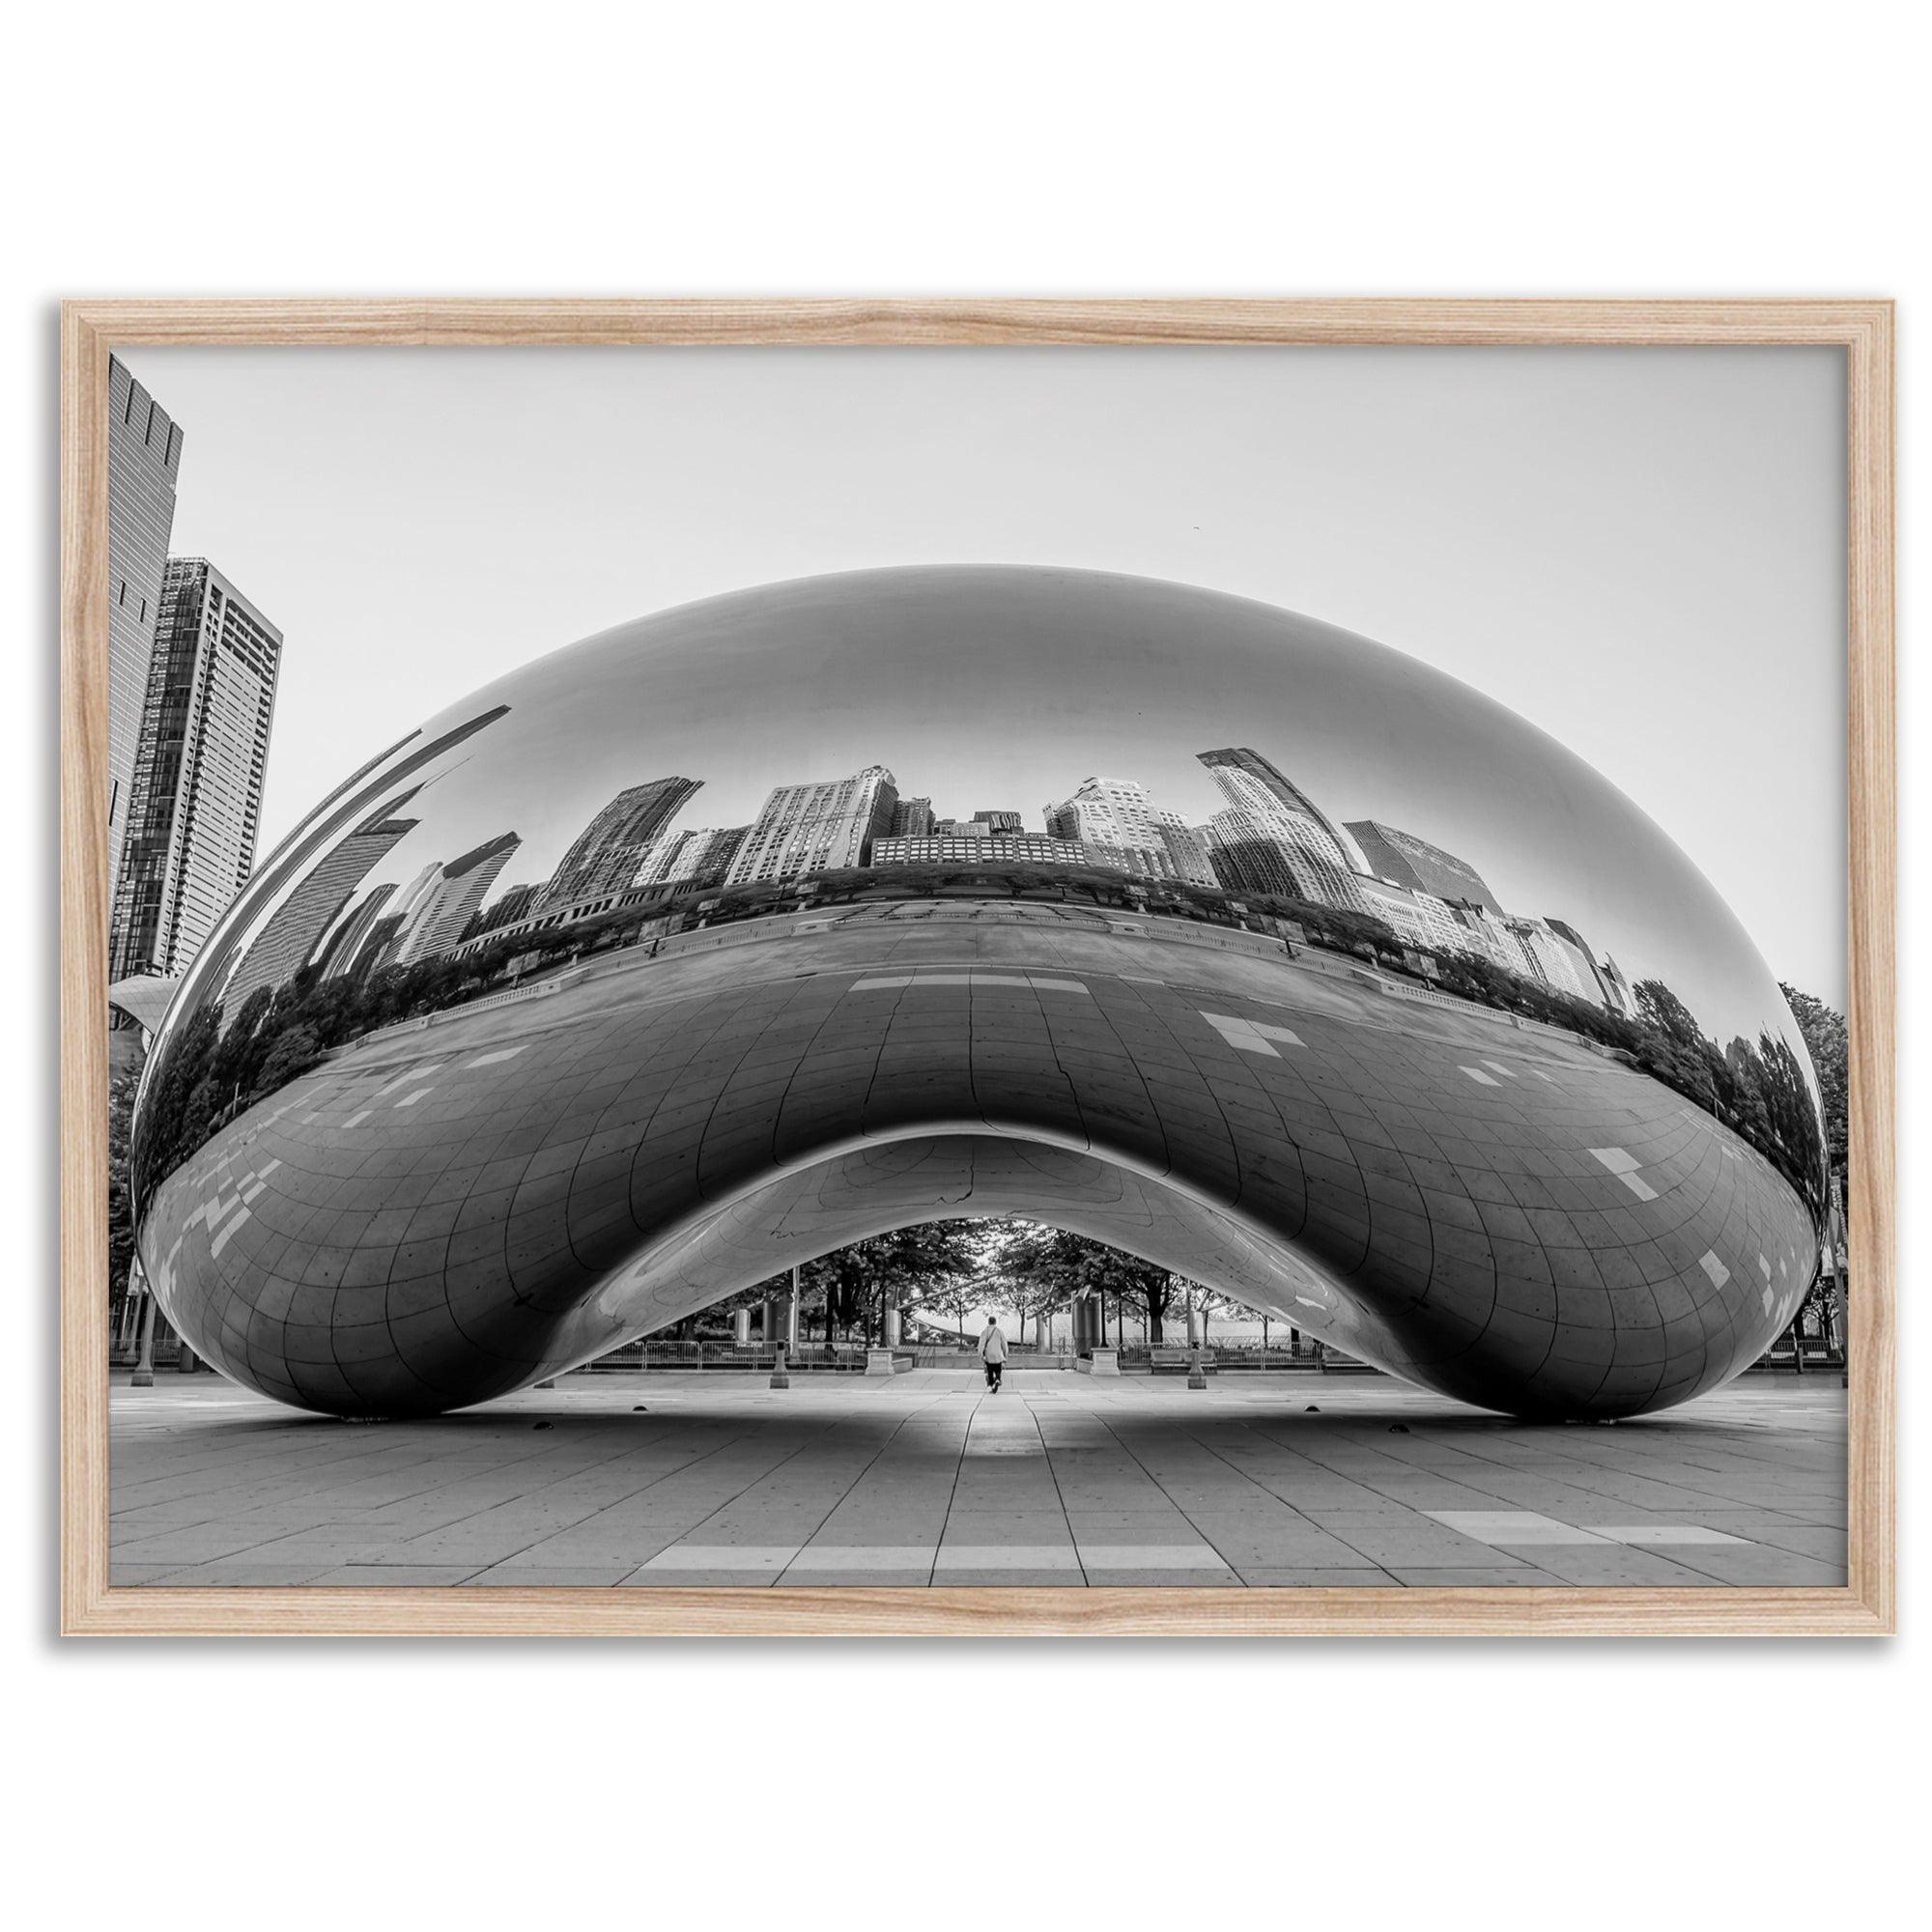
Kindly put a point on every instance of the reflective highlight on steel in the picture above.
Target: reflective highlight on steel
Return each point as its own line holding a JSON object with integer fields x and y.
{"x": 750, "y": 928}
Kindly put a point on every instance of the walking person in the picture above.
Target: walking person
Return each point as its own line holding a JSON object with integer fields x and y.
{"x": 993, "y": 1352}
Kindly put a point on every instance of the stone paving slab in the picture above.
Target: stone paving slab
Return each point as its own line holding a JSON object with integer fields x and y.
{"x": 1279, "y": 1482}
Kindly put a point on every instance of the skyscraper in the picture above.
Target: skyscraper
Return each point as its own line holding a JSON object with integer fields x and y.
{"x": 814, "y": 827}
{"x": 144, "y": 446}
{"x": 1413, "y": 861}
{"x": 1623, "y": 995}
{"x": 513, "y": 904}
{"x": 1117, "y": 815}
{"x": 288, "y": 940}
{"x": 1186, "y": 848}
{"x": 911, "y": 819}
{"x": 608, "y": 851}
{"x": 705, "y": 853}
{"x": 1600, "y": 977}
{"x": 452, "y": 903}
{"x": 338, "y": 955}
{"x": 1308, "y": 849}
{"x": 195, "y": 801}
{"x": 1549, "y": 959}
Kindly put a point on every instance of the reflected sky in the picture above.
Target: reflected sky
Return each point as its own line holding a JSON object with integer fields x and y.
{"x": 1005, "y": 688}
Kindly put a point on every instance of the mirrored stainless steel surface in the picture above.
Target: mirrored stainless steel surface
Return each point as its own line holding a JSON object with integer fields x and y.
{"x": 750, "y": 928}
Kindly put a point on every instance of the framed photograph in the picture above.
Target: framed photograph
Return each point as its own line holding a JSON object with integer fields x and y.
{"x": 978, "y": 967}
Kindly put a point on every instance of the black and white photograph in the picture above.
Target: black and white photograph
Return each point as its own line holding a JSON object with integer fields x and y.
{"x": 902, "y": 968}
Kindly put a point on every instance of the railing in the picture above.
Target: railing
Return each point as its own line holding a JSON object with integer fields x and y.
{"x": 1402, "y": 989}
{"x": 537, "y": 990}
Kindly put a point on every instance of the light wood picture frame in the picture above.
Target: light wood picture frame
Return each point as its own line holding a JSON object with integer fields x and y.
{"x": 1861, "y": 329}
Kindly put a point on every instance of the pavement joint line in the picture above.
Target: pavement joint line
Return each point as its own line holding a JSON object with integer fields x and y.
{"x": 1685, "y": 1498}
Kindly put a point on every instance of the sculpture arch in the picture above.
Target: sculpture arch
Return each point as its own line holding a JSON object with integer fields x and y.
{"x": 599, "y": 1109}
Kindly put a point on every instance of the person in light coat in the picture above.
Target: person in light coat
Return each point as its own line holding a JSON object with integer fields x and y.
{"x": 993, "y": 1352}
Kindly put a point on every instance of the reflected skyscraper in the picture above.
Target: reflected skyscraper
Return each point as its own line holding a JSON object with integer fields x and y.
{"x": 345, "y": 944}
{"x": 288, "y": 941}
{"x": 144, "y": 447}
{"x": 1602, "y": 982}
{"x": 453, "y": 897}
{"x": 513, "y": 904}
{"x": 814, "y": 827}
{"x": 1276, "y": 813}
{"x": 1408, "y": 861}
{"x": 202, "y": 749}
{"x": 1117, "y": 815}
{"x": 705, "y": 853}
{"x": 610, "y": 851}
{"x": 1549, "y": 959}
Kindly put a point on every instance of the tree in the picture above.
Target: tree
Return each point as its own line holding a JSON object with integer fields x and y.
{"x": 930, "y": 1266}
{"x": 119, "y": 1186}
{"x": 1825, "y": 1041}
{"x": 1041, "y": 1269}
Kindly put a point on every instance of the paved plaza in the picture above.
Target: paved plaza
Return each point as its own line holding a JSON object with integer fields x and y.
{"x": 1284, "y": 1479}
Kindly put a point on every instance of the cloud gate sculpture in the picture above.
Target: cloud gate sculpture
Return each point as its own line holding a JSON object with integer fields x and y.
{"x": 747, "y": 930}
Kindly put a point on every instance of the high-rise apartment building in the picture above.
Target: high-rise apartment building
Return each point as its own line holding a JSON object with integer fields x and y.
{"x": 1549, "y": 959}
{"x": 343, "y": 946}
{"x": 704, "y": 854}
{"x": 1186, "y": 848}
{"x": 911, "y": 819}
{"x": 452, "y": 900}
{"x": 608, "y": 851}
{"x": 288, "y": 940}
{"x": 1249, "y": 855}
{"x": 1408, "y": 861}
{"x": 194, "y": 805}
{"x": 1488, "y": 937}
{"x": 513, "y": 904}
{"x": 144, "y": 446}
{"x": 1309, "y": 850}
{"x": 1117, "y": 815}
{"x": 1600, "y": 977}
{"x": 809, "y": 828}
{"x": 1623, "y": 995}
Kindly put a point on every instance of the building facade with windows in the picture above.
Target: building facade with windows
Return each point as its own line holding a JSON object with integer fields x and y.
{"x": 1405, "y": 860}
{"x": 1547, "y": 958}
{"x": 454, "y": 898}
{"x": 290, "y": 936}
{"x": 1117, "y": 815}
{"x": 1600, "y": 977}
{"x": 195, "y": 800}
{"x": 705, "y": 857}
{"x": 144, "y": 446}
{"x": 1420, "y": 917}
{"x": 1308, "y": 850}
{"x": 814, "y": 827}
{"x": 990, "y": 848}
{"x": 607, "y": 855}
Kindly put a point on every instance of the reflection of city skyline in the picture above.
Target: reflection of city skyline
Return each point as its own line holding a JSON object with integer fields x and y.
{"x": 1043, "y": 696}
{"x": 1270, "y": 839}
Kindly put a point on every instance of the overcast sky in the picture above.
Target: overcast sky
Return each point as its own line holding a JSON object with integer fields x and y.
{"x": 1640, "y": 551}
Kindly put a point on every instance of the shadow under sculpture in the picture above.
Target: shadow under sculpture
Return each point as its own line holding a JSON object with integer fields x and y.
{"x": 695, "y": 951}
